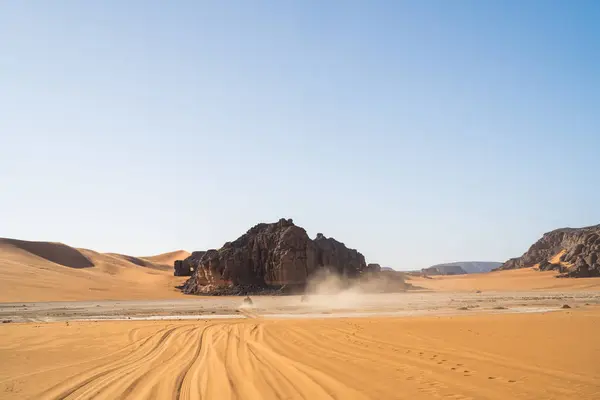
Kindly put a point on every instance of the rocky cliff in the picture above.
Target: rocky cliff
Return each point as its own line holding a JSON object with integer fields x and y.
{"x": 268, "y": 256}
{"x": 572, "y": 251}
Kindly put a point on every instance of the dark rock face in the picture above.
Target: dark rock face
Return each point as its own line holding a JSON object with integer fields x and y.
{"x": 188, "y": 266}
{"x": 180, "y": 270}
{"x": 269, "y": 256}
{"x": 336, "y": 256}
{"x": 581, "y": 257}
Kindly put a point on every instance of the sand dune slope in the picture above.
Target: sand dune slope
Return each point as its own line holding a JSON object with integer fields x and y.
{"x": 511, "y": 280}
{"x": 45, "y": 271}
{"x": 57, "y": 253}
{"x": 475, "y": 357}
{"x": 168, "y": 258}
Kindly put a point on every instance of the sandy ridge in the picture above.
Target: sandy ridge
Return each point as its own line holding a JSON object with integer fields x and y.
{"x": 46, "y": 271}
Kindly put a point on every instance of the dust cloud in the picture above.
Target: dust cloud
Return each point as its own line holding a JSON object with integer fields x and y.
{"x": 327, "y": 290}
{"x": 330, "y": 290}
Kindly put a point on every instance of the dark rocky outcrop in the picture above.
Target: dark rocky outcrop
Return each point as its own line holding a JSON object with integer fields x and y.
{"x": 188, "y": 266}
{"x": 546, "y": 265}
{"x": 580, "y": 247}
{"x": 180, "y": 270}
{"x": 276, "y": 256}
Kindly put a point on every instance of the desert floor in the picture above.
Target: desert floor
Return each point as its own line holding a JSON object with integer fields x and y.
{"x": 551, "y": 355}
{"x": 82, "y": 324}
{"x": 349, "y": 303}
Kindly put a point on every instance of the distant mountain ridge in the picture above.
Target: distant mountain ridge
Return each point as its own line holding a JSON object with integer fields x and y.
{"x": 461, "y": 268}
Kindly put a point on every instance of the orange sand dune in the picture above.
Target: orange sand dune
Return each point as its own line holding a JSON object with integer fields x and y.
{"x": 511, "y": 356}
{"x": 168, "y": 258}
{"x": 512, "y": 280}
{"x": 140, "y": 262}
{"x": 44, "y": 271}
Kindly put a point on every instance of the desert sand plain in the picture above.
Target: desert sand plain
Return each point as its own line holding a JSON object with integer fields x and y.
{"x": 107, "y": 326}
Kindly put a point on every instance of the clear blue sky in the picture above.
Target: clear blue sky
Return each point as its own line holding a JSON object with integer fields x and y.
{"x": 418, "y": 132}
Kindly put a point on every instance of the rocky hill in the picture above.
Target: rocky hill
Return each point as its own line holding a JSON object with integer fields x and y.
{"x": 444, "y": 270}
{"x": 461, "y": 267}
{"x": 572, "y": 251}
{"x": 269, "y": 256}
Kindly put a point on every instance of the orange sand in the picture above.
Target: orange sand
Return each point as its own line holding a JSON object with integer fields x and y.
{"x": 44, "y": 271}
{"x": 536, "y": 356}
{"x": 514, "y": 280}
{"x": 168, "y": 258}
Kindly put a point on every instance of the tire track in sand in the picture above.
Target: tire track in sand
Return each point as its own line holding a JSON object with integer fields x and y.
{"x": 317, "y": 359}
{"x": 191, "y": 362}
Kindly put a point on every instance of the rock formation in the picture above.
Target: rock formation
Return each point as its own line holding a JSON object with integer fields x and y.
{"x": 180, "y": 270}
{"x": 188, "y": 266}
{"x": 269, "y": 256}
{"x": 572, "y": 251}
